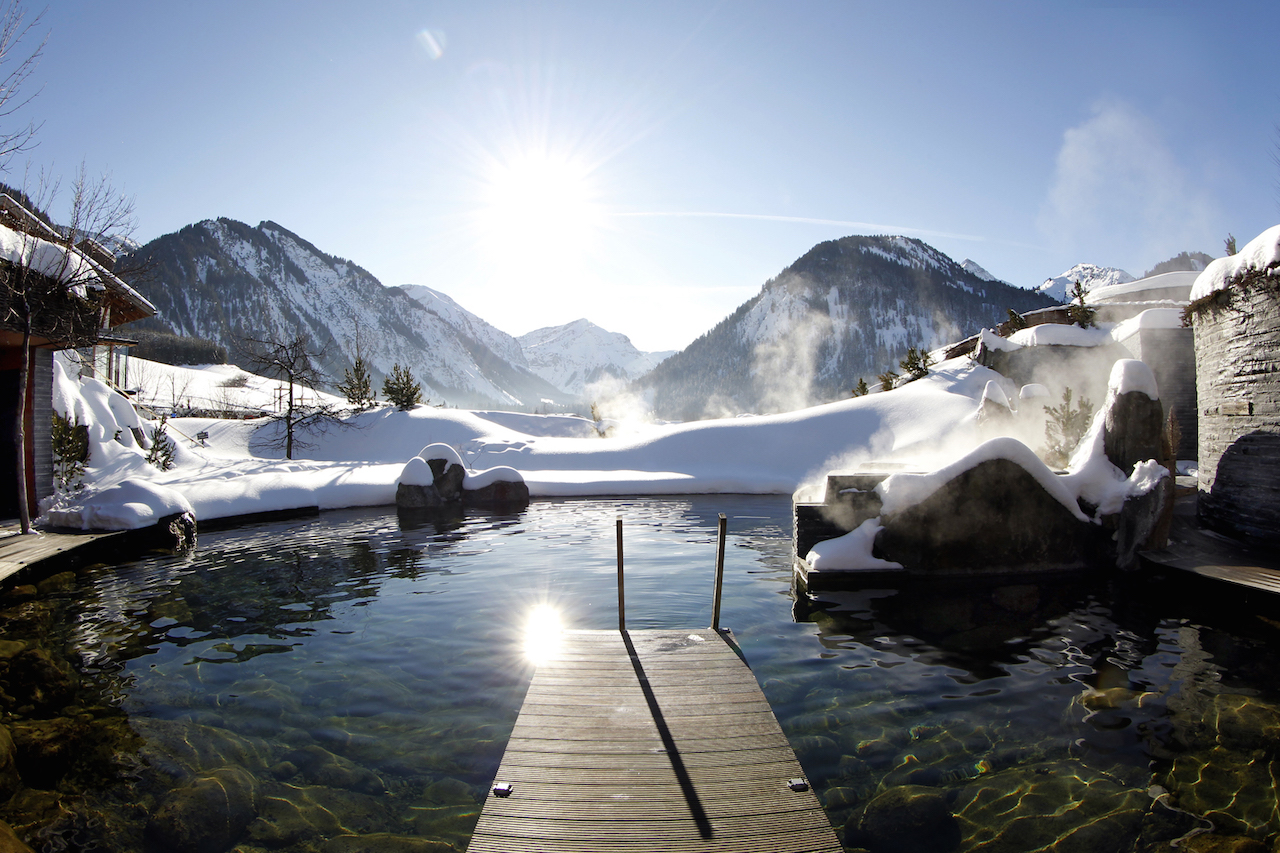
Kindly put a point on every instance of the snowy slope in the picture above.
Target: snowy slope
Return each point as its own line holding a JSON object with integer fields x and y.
{"x": 225, "y": 281}
{"x": 444, "y": 307}
{"x": 574, "y": 356}
{"x": 1089, "y": 276}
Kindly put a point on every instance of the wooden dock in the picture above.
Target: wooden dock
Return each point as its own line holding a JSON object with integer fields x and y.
{"x": 18, "y": 551}
{"x": 649, "y": 741}
{"x": 1202, "y": 552}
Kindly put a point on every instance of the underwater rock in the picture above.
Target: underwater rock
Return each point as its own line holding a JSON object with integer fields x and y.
{"x": 180, "y": 749}
{"x": 1015, "y": 810}
{"x": 46, "y": 749}
{"x": 1236, "y": 791}
{"x": 10, "y": 842}
{"x": 206, "y": 816}
{"x": 906, "y": 819}
{"x": 321, "y": 767}
{"x": 10, "y": 781}
{"x": 384, "y": 843}
{"x": 1223, "y": 844}
{"x": 449, "y": 790}
{"x": 56, "y": 583}
{"x": 44, "y": 680}
{"x": 1246, "y": 723}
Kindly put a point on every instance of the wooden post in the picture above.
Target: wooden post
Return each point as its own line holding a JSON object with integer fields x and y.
{"x": 622, "y": 608}
{"x": 715, "y": 606}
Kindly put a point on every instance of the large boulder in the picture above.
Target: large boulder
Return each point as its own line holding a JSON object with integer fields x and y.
{"x": 1132, "y": 431}
{"x": 906, "y": 819}
{"x": 209, "y": 815}
{"x": 993, "y": 517}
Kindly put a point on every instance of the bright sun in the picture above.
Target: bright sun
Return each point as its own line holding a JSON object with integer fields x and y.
{"x": 539, "y": 204}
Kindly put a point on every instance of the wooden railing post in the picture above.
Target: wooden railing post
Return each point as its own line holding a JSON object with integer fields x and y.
{"x": 715, "y": 605}
{"x": 622, "y": 607}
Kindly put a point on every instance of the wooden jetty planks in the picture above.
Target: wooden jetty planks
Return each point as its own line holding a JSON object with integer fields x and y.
{"x": 653, "y": 740}
{"x": 18, "y": 551}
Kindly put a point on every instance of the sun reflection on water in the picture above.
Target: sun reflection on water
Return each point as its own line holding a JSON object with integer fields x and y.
{"x": 542, "y": 634}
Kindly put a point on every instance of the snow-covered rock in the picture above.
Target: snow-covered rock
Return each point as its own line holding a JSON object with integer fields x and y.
{"x": 1260, "y": 254}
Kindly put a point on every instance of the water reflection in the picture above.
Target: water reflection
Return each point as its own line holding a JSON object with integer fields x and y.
{"x": 361, "y": 673}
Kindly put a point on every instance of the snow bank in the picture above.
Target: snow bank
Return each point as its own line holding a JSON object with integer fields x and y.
{"x": 990, "y": 340}
{"x": 851, "y": 552}
{"x": 362, "y": 465}
{"x": 1260, "y": 253}
{"x": 126, "y": 506}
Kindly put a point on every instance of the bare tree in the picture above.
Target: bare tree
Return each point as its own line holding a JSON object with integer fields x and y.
{"x": 15, "y": 69}
{"x": 294, "y": 364}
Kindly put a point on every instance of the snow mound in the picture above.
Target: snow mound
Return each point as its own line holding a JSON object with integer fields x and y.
{"x": 439, "y": 450}
{"x": 1057, "y": 334}
{"x": 125, "y": 506}
{"x": 416, "y": 473}
{"x": 1260, "y": 253}
{"x": 851, "y": 552}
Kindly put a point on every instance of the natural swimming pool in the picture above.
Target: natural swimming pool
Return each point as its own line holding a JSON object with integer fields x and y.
{"x": 348, "y": 682}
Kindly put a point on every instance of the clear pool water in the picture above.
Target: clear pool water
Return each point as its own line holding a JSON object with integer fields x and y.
{"x": 348, "y": 682}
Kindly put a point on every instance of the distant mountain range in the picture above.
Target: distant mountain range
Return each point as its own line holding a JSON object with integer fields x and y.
{"x": 847, "y": 309}
{"x": 227, "y": 281}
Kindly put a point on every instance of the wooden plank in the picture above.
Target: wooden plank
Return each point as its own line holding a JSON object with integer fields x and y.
{"x": 656, "y": 740}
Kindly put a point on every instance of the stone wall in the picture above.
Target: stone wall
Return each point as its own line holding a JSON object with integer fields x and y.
{"x": 1237, "y": 342}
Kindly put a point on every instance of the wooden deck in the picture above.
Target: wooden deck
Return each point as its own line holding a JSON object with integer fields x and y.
{"x": 18, "y": 552}
{"x": 1202, "y": 552}
{"x": 646, "y": 741}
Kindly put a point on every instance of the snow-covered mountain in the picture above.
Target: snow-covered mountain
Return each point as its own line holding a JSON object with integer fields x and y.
{"x": 975, "y": 268}
{"x": 848, "y": 308}
{"x": 443, "y": 306}
{"x": 578, "y": 354}
{"x": 1089, "y": 276}
{"x": 227, "y": 281}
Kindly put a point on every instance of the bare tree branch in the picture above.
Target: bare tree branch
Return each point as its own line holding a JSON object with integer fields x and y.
{"x": 14, "y": 29}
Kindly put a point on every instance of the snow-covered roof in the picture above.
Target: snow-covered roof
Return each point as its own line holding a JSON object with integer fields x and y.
{"x": 1260, "y": 253}
{"x": 65, "y": 264}
{"x": 1168, "y": 280}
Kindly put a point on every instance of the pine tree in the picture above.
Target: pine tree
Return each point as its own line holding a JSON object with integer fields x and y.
{"x": 400, "y": 389}
{"x": 162, "y": 447}
{"x": 886, "y": 380}
{"x": 861, "y": 389}
{"x": 1016, "y": 321}
{"x": 357, "y": 386}
{"x": 917, "y": 362}
{"x": 1080, "y": 313}
{"x": 1065, "y": 428}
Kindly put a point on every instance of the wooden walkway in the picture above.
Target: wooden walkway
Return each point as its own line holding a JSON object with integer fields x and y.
{"x": 646, "y": 741}
{"x": 1205, "y": 553}
{"x": 18, "y": 552}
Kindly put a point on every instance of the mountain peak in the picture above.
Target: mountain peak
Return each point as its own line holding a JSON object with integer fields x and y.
{"x": 1089, "y": 276}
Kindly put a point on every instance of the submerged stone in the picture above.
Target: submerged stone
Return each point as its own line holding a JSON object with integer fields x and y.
{"x": 906, "y": 819}
{"x": 207, "y": 816}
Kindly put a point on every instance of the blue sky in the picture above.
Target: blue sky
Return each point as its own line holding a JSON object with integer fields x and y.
{"x": 649, "y": 165}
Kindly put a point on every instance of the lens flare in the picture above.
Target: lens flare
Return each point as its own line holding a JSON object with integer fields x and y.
{"x": 542, "y": 634}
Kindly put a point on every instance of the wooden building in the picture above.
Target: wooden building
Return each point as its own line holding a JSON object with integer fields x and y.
{"x": 57, "y": 296}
